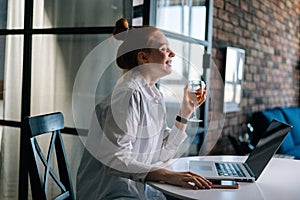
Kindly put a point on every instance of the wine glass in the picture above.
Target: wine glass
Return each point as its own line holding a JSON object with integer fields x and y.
{"x": 196, "y": 88}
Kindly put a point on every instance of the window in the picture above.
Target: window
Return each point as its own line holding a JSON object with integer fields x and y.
{"x": 233, "y": 79}
{"x": 185, "y": 24}
{"x": 43, "y": 47}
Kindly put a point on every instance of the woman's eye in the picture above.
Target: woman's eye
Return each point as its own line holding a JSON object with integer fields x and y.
{"x": 164, "y": 49}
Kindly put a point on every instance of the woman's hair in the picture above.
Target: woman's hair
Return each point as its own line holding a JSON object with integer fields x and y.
{"x": 134, "y": 40}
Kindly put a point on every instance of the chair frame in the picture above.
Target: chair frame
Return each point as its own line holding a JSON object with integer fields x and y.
{"x": 51, "y": 124}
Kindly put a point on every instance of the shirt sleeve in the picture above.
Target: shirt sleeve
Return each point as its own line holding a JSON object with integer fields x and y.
{"x": 172, "y": 140}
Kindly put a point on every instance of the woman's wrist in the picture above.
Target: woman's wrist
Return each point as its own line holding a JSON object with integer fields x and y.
{"x": 157, "y": 174}
{"x": 185, "y": 115}
{"x": 181, "y": 119}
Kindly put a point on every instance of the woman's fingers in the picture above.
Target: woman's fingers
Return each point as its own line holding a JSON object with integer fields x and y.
{"x": 194, "y": 181}
{"x": 206, "y": 183}
{"x": 189, "y": 185}
{"x": 188, "y": 180}
{"x": 186, "y": 88}
{"x": 200, "y": 183}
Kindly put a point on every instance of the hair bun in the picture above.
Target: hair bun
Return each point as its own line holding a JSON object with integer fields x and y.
{"x": 120, "y": 26}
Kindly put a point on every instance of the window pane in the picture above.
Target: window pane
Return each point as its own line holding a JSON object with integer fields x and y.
{"x": 74, "y": 13}
{"x": 137, "y": 21}
{"x": 11, "y": 60}
{"x": 57, "y": 63}
{"x": 229, "y": 93}
{"x": 137, "y": 2}
{"x": 9, "y": 167}
{"x": 3, "y": 14}
{"x": 238, "y": 94}
{"x": 183, "y": 17}
{"x": 197, "y": 20}
{"x": 11, "y": 14}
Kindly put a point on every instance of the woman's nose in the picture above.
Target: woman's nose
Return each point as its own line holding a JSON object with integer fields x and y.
{"x": 172, "y": 54}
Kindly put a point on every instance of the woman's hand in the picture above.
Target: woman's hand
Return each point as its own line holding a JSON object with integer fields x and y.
{"x": 188, "y": 180}
{"x": 187, "y": 105}
{"x": 184, "y": 179}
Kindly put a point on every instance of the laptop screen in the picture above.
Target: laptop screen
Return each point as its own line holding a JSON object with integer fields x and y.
{"x": 267, "y": 146}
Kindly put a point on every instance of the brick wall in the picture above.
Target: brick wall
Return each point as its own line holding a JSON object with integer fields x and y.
{"x": 269, "y": 32}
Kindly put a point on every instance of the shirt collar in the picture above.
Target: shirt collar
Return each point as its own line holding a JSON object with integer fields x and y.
{"x": 138, "y": 78}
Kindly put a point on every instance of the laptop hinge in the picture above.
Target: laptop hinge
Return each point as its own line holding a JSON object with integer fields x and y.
{"x": 249, "y": 170}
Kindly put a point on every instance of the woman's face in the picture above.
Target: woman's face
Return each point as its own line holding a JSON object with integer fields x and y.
{"x": 160, "y": 56}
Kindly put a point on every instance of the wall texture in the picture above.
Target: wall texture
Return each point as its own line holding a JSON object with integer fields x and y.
{"x": 269, "y": 32}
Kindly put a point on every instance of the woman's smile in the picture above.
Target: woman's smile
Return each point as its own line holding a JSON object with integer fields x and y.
{"x": 169, "y": 63}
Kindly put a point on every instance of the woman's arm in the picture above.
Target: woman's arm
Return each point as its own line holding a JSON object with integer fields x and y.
{"x": 174, "y": 137}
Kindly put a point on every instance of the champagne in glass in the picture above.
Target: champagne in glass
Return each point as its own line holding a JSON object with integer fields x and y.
{"x": 196, "y": 88}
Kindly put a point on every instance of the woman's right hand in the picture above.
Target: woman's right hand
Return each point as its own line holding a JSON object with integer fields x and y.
{"x": 184, "y": 179}
{"x": 188, "y": 180}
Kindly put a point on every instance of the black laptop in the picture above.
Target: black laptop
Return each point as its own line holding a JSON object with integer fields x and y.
{"x": 256, "y": 162}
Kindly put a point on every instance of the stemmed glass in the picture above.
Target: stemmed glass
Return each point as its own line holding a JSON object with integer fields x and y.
{"x": 196, "y": 88}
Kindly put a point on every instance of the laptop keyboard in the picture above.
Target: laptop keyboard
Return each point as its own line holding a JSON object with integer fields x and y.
{"x": 229, "y": 169}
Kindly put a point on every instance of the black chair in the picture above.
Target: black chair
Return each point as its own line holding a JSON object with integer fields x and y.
{"x": 39, "y": 164}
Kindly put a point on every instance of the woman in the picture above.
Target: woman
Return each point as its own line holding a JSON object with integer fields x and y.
{"x": 133, "y": 119}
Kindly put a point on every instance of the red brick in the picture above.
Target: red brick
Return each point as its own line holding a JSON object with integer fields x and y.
{"x": 219, "y": 3}
{"x": 245, "y": 5}
{"x": 255, "y": 4}
{"x": 230, "y": 8}
{"x": 223, "y": 15}
{"x": 228, "y": 26}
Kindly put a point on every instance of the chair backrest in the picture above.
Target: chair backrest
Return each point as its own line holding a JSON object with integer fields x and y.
{"x": 39, "y": 164}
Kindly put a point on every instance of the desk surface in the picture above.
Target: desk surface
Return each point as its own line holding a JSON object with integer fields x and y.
{"x": 280, "y": 180}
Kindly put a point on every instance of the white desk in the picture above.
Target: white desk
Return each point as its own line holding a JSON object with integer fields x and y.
{"x": 280, "y": 180}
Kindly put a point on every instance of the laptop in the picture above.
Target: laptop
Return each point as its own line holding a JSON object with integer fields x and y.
{"x": 250, "y": 170}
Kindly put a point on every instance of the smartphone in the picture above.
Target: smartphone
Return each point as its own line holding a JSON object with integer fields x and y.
{"x": 225, "y": 184}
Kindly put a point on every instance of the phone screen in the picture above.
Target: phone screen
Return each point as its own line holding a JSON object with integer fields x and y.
{"x": 224, "y": 184}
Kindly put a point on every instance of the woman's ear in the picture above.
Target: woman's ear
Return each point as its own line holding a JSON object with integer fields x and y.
{"x": 142, "y": 57}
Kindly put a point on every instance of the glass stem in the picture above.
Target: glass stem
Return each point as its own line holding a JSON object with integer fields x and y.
{"x": 195, "y": 112}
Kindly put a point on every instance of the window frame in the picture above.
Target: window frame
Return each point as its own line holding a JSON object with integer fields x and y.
{"x": 147, "y": 11}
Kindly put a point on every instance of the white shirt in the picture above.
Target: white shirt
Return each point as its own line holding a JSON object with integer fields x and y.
{"x": 134, "y": 137}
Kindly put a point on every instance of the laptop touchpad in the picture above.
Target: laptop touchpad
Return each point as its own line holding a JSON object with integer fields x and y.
{"x": 202, "y": 168}
{"x": 205, "y": 168}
